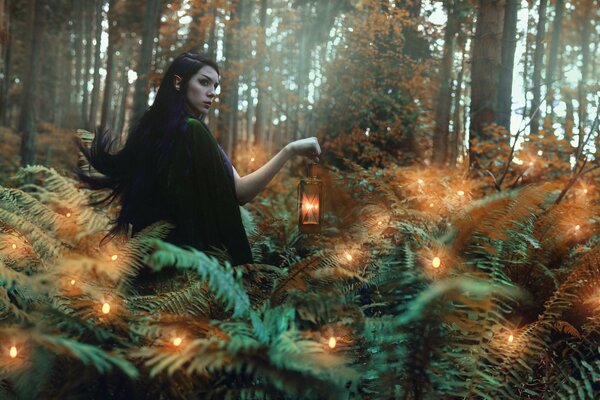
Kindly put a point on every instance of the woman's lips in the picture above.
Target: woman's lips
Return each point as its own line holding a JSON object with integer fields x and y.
{"x": 207, "y": 103}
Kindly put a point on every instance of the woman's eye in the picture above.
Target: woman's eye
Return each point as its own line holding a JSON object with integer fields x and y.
{"x": 203, "y": 82}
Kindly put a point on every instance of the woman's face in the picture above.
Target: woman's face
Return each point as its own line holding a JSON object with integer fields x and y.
{"x": 201, "y": 90}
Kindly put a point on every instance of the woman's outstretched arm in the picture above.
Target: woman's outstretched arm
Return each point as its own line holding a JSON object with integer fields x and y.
{"x": 249, "y": 186}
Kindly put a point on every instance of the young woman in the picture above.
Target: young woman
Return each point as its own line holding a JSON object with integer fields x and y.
{"x": 172, "y": 168}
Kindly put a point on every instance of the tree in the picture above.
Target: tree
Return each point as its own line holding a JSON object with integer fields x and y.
{"x": 553, "y": 56}
{"x": 509, "y": 41}
{"x": 27, "y": 118}
{"x": 151, "y": 19}
{"x": 538, "y": 59}
{"x": 487, "y": 51}
{"x": 97, "y": 65}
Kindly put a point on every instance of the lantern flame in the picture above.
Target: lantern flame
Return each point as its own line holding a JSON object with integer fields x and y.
{"x": 332, "y": 342}
{"x": 13, "y": 352}
{"x": 436, "y": 262}
{"x": 105, "y": 308}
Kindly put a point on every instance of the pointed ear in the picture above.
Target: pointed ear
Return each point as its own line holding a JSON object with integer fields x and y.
{"x": 177, "y": 82}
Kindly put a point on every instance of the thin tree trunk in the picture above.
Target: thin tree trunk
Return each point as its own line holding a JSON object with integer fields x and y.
{"x": 79, "y": 56}
{"x": 538, "y": 59}
{"x": 442, "y": 114}
{"x": 509, "y": 41}
{"x": 457, "y": 133}
{"x": 553, "y": 56}
{"x": 140, "y": 97}
{"x": 120, "y": 119}
{"x": 585, "y": 67}
{"x": 260, "y": 78}
{"x": 27, "y": 118}
{"x": 97, "y": 65}
{"x": 107, "y": 102}
{"x": 487, "y": 50}
{"x": 89, "y": 22}
{"x": 5, "y": 53}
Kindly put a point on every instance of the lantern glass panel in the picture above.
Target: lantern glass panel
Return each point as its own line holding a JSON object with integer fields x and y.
{"x": 309, "y": 205}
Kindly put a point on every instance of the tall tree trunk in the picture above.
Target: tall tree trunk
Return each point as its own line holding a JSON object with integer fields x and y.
{"x": 89, "y": 23}
{"x": 585, "y": 68}
{"x": 538, "y": 64}
{"x": 553, "y": 56}
{"x": 140, "y": 97}
{"x": 259, "y": 124}
{"x": 457, "y": 126}
{"x": 120, "y": 116}
{"x": 5, "y": 38}
{"x": 109, "y": 82}
{"x": 303, "y": 69}
{"x": 97, "y": 65}
{"x": 509, "y": 41}
{"x": 487, "y": 50}
{"x": 79, "y": 55}
{"x": 27, "y": 118}
{"x": 442, "y": 113}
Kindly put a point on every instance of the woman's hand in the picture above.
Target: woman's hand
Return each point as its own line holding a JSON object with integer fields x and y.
{"x": 308, "y": 147}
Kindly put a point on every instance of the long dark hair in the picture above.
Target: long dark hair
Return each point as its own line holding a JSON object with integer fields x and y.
{"x": 129, "y": 172}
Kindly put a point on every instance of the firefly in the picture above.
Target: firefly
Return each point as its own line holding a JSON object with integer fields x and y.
{"x": 585, "y": 191}
{"x": 348, "y": 256}
{"x": 436, "y": 262}
{"x": 461, "y": 193}
{"x": 577, "y": 227}
{"x": 105, "y": 308}
{"x": 114, "y": 257}
{"x": 511, "y": 338}
{"x": 13, "y": 352}
{"x": 332, "y": 342}
{"x": 379, "y": 223}
{"x": 252, "y": 159}
{"x": 430, "y": 204}
{"x": 420, "y": 181}
{"x": 14, "y": 246}
{"x": 68, "y": 215}
{"x": 531, "y": 163}
{"x": 72, "y": 282}
{"x": 177, "y": 341}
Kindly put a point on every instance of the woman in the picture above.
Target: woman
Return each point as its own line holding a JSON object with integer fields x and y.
{"x": 172, "y": 168}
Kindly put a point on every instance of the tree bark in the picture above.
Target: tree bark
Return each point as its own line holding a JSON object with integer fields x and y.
{"x": 538, "y": 58}
{"x": 585, "y": 68}
{"x": 457, "y": 126}
{"x": 5, "y": 37}
{"x": 97, "y": 65}
{"x": 509, "y": 41}
{"x": 27, "y": 118}
{"x": 487, "y": 50}
{"x": 89, "y": 22}
{"x": 442, "y": 114}
{"x": 79, "y": 54}
{"x": 107, "y": 101}
{"x": 260, "y": 78}
{"x": 140, "y": 97}
{"x": 553, "y": 56}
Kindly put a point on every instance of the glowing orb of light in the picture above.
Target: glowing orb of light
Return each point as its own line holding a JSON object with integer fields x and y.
{"x": 577, "y": 227}
{"x": 460, "y": 193}
{"x": 511, "y": 338}
{"x": 114, "y": 257}
{"x": 252, "y": 159}
{"x": 13, "y": 352}
{"x": 14, "y": 246}
{"x": 332, "y": 342}
{"x": 72, "y": 282}
{"x": 68, "y": 215}
{"x": 177, "y": 341}
{"x": 420, "y": 181}
{"x": 348, "y": 256}
{"x": 436, "y": 262}
{"x": 105, "y": 308}
{"x": 430, "y": 204}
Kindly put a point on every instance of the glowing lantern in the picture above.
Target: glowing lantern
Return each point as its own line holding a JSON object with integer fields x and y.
{"x": 105, "y": 308}
{"x": 13, "y": 352}
{"x": 310, "y": 212}
{"x": 177, "y": 341}
{"x": 436, "y": 262}
{"x": 511, "y": 338}
{"x": 332, "y": 342}
{"x": 114, "y": 257}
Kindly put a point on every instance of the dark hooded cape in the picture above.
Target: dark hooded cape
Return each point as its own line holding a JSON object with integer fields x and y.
{"x": 198, "y": 196}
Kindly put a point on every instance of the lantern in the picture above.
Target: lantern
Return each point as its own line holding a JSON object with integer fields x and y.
{"x": 310, "y": 212}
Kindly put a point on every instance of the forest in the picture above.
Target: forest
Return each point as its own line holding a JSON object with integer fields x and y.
{"x": 456, "y": 254}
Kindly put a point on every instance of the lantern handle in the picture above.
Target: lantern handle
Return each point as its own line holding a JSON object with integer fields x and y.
{"x": 311, "y": 169}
